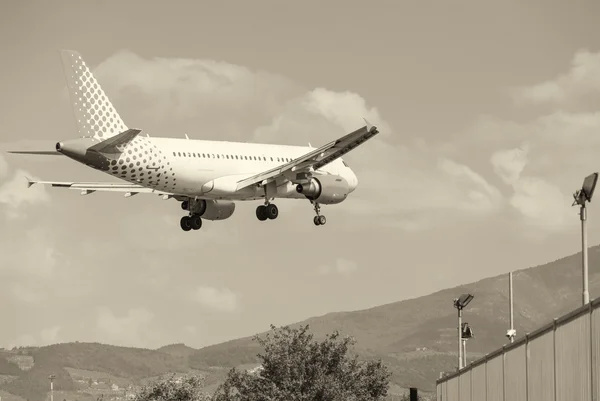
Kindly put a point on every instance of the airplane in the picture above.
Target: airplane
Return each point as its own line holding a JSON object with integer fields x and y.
{"x": 206, "y": 176}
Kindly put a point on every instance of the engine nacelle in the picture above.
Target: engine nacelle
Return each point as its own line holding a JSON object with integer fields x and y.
{"x": 325, "y": 189}
{"x": 218, "y": 210}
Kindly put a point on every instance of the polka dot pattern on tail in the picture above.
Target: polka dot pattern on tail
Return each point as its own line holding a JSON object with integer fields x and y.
{"x": 143, "y": 163}
{"x": 95, "y": 114}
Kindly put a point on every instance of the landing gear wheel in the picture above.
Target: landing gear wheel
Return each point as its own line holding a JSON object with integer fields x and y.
{"x": 261, "y": 213}
{"x": 185, "y": 205}
{"x": 271, "y": 211}
{"x": 195, "y": 222}
{"x": 186, "y": 223}
{"x": 319, "y": 220}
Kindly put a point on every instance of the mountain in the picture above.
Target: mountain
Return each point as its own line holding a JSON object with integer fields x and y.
{"x": 416, "y": 338}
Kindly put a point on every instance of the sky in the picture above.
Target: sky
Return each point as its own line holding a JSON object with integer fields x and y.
{"x": 488, "y": 114}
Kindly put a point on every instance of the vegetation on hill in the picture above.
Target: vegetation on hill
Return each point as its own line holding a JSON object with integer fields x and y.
{"x": 9, "y": 368}
{"x": 187, "y": 388}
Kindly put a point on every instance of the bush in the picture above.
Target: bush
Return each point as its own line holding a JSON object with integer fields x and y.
{"x": 172, "y": 388}
{"x": 295, "y": 367}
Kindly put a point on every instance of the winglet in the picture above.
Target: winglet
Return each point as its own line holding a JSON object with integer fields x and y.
{"x": 369, "y": 125}
{"x": 29, "y": 182}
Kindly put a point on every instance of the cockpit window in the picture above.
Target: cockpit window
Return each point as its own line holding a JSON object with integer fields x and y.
{"x": 345, "y": 164}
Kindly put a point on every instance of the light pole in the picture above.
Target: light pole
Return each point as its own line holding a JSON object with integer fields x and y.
{"x": 467, "y": 333}
{"x": 52, "y": 377}
{"x": 581, "y": 197}
{"x": 460, "y": 303}
{"x": 511, "y": 333}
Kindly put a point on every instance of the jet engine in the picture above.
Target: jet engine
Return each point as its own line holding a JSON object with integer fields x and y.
{"x": 210, "y": 209}
{"x": 325, "y": 189}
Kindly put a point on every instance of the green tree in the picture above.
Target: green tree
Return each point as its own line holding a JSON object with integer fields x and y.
{"x": 171, "y": 388}
{"x": 295, "y": 367}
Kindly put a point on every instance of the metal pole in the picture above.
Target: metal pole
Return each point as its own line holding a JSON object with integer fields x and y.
{"x": 51, "y": 390}
{"x": 510, "y": 300}
{"x": 584, "y": 253}
{"x": 464, "y": 352}
{"x": 460, "y": 365}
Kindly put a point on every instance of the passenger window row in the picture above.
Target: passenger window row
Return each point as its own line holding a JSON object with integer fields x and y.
{"x": 230, "y": 157}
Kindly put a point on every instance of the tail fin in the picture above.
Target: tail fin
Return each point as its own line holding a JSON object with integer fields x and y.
{"x": 94, "y": 113}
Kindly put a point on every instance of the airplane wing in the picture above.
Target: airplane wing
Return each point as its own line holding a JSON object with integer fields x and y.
{"x": 87, "y": 188}
{"x": 316, "y": 158}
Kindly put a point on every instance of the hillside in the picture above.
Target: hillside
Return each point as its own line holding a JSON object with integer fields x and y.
{"x": 416, "y": 338}
{"x": 399, "y": 331}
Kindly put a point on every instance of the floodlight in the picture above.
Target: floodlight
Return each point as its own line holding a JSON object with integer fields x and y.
{"x": 589, "y": 184}
{"x": 467, "y": 332}
{"x": 463, "y": 301}
{"x": 587, "y": 190}
{"x": 511, "y": 333}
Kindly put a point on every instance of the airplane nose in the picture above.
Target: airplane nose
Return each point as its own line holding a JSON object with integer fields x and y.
{"x": 353, "y": 181}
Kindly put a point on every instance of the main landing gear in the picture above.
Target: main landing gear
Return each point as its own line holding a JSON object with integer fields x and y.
{"x": 319, "y": 219}
{"x": 267, "y": 211}
{"x": 191, "y": 222}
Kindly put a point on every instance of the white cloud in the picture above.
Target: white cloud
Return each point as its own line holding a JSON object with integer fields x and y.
{"x": 3, "y": 167}
{"x": 131, "y": 330}
{"x": 49, "y": 335}
{"x": 541, "y": 202}
{"x": 508, "y": 164}
{"x": 345, "y": 109}
{"x": 23, "y": 293}
{"x": 222, "y": 300}
{"x": 46, "y": 336}
{"x": 178, "y": 94}
{"x": 340, "y": 266}
{"x": 23, "y": 341}
{"x": 15, "y": 193}
{"x": 582, "y": 79}
{"x": 31, "y": 256}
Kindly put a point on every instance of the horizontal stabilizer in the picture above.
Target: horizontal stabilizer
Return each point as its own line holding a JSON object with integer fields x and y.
{"x": 116, "y": 143}
{"x": 90, "y": 187}
{"x": 36, "y": 152}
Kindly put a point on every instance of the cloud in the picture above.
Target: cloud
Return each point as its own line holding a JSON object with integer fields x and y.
{"x": 226, "y": 101}
{"x": 3, "y": 167}
{"x": 30, "y": 257}
{"x": 49, "y": 335}
{"x": 582, "y": 79}
{"x": 24, "y": 293}
{"x": 23, "y": 341}
{"x": 130, "y": 330}
{"x": 14, "y": 194}
{"x": 46, "y": 336}
{"x": 222, "y": 300}
{"x": 340, "y": 266}
{"x": 539, "y": 201}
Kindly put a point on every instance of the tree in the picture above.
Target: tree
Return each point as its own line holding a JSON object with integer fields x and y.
{"x": 297, "y": 368}
{"x": 171, "y": 388}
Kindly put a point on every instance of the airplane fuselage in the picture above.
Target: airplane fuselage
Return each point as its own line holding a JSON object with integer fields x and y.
{"x": 199, "y": 168}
